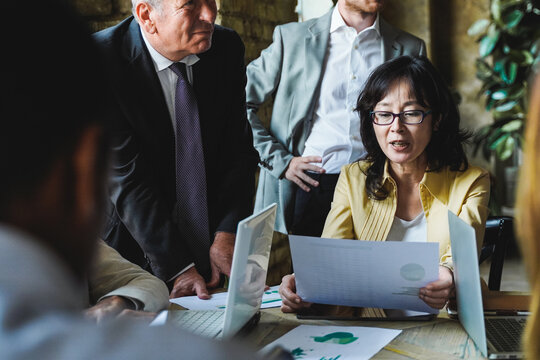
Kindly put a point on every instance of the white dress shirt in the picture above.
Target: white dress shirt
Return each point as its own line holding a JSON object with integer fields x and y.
{"x": 168, "y": 79}
{"x": 350, "y": 59}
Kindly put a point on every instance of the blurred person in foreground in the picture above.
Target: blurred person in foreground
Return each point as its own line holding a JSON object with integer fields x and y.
{"x": 53, "y": 161}
{"x": 415, "y": 169}
{"x": 527, "y": 219}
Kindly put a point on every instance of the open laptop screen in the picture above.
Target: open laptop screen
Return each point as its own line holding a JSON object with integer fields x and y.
{"x": 467, "y": 279}
{"x": 249, "y": 266}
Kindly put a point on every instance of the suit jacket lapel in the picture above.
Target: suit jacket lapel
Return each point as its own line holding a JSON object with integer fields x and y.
{"x": 316, "y": 43}
{"x": 147, "y": 102}
{"x": 390, "y": 47}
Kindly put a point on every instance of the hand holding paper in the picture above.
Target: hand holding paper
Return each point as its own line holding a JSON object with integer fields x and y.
{"x": 385, "y": 275}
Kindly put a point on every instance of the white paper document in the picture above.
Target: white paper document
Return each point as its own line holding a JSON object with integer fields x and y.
{"x": 218, "y": 301}
{"x": 376, "y": 274}
{"x": 335, "y": 342}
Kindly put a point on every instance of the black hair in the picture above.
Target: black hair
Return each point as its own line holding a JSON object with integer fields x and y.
{"x": 52, "y": 89}
{"x": 445, "y": 148}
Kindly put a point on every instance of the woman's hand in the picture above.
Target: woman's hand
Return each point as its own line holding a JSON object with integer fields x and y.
{"x": 287, "y": 291}
{"x": 436, "y": 294}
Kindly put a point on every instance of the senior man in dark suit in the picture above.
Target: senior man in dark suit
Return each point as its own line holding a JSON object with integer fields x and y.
{"x": 183, "y": 156}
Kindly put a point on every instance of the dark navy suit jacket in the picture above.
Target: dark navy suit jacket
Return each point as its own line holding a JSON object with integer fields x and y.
{"x": 140, "y": 222}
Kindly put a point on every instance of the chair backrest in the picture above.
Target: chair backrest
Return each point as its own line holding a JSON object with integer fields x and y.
{"x": 499, "y": 233}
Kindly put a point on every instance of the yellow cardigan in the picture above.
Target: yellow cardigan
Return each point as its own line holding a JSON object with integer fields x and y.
{"x": 355, "y": 216}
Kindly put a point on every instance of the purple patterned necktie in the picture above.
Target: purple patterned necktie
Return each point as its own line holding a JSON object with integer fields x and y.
{"x": 190, "y": 172}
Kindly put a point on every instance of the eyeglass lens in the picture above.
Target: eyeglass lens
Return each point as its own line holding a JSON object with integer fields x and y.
{"x": 407, "y": 117}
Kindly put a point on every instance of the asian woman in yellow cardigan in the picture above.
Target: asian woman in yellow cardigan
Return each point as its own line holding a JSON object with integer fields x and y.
{"x": 415, "y": 169}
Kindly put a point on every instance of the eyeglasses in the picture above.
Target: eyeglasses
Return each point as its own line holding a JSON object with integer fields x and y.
{"x": 409, "y": 117}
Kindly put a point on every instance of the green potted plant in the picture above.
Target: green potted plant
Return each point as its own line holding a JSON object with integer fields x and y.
{"x": 509, "y": 48}
{"x": 509, "y": 44}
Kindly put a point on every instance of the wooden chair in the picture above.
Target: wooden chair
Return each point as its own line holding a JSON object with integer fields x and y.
{"x": 499, "y": 233}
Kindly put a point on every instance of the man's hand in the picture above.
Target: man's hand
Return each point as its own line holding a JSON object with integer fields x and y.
{"x": 143, "y": 316}
{"x": 290, "y": 301}
{"x": 436, "y": 294}
{"x": 221, "y": 254}
{"x": 296, "y": 171}
{"x": 107, "y": 308}
{"x": 189, "y": 283}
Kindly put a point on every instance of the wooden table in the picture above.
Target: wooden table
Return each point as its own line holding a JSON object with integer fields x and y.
{"x": 442, "y": 338}
{"x": 439, "y": 339}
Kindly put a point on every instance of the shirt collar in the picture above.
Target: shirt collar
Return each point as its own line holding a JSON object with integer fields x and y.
{"x": 161, "y": 62}
{"x": 436, "y": 182}
{"x": 337, "y": 23}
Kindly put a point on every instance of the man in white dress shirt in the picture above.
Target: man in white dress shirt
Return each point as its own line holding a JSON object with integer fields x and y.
{"x": 315, "y": 71}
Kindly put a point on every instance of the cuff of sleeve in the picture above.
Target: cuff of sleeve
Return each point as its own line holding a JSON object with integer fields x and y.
{"x": 137, "y": 305}
{"x": 181, "y": 272}
{"x": 132, "y": 303}
{"x": 449, "y": 265}
{"x": 282, "y": 168}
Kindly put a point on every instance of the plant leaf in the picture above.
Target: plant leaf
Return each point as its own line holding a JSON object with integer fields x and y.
{"x": 490, "y": 102}
{"x": 478, "y": 27}
{"x": 498, "y": 67}
{"x": 512, "y": 126}
{"x": 506, "y": 106}
{"x": 499, "y": 142}
{"x": 527, "y": 58}
{"x": 496, "y": 9}
{"x": 495, "y": 134}
{"x": 507, "y": 148}
{"x": 535, "y": 46}
{"x": 517, "y": 91}
{"x": 513, "y": 18}
{"x": 510, "y": 72}
{"x": 499, "y": 95}
{"x": 483, "y": 70}
{"x": 488, "y": 42}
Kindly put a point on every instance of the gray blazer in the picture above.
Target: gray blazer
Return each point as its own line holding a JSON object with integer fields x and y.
{"x": 290, "y": 71}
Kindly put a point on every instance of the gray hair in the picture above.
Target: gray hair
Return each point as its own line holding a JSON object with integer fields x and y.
{"x": 155, "y": 4}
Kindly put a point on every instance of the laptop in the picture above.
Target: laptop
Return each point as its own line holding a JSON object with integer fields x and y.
{"x": 246, "y": 283}
{"x": 496, "y": 336}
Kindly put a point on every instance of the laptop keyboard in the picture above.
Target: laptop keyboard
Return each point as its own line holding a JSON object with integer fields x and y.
{"x": 505, "y": 333}
{"x": 204, "y": 323}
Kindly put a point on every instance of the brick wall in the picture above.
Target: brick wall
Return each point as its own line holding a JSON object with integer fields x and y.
{"x": 101, "y": 14}
{"x": 254, "y": 20}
